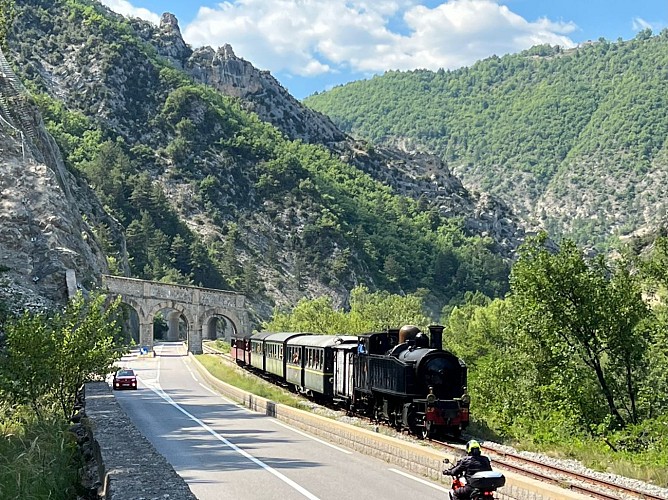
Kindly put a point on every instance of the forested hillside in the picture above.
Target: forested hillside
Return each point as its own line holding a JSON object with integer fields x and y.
{"x": 575, "y": 140}
{"x": 209, "y": 194}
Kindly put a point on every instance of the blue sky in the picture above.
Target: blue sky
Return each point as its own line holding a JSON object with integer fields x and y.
{"x": 313, "y": 45}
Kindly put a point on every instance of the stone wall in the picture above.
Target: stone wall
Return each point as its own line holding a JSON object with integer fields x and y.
{"x": 129, "y": 466}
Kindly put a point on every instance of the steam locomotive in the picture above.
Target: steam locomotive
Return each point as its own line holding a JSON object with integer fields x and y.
{"x": 400, "y": 376}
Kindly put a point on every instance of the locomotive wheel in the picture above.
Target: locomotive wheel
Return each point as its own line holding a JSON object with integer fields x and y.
{"x": 416, "y": 428}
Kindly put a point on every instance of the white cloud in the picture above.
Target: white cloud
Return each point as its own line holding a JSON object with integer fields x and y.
{"x": 310, "y": 37}
{"x": 125, "y": 8}
{"x": 639, "y": 24}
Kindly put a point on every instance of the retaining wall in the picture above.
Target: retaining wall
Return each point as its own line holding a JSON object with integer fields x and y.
{"x": 129, "y": 467}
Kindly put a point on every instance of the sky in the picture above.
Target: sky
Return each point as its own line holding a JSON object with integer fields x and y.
{"x": 313, "y": 45}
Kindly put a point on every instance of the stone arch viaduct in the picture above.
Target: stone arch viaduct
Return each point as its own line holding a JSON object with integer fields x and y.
{"x": 198, "y": 306}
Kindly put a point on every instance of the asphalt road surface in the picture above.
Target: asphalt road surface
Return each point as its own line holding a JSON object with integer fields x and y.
{"x": 223, "y": 450}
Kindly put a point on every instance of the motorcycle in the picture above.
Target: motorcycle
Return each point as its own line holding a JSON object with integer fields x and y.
{"x": 484, "y": 484}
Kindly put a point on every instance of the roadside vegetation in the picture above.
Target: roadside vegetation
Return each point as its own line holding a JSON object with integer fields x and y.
{"x": 222, "y": 346}
{"x": 247, "y": 382}
{"x": 45, "y": 359}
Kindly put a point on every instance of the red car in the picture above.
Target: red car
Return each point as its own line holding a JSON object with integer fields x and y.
{"x": 125, "y": 378}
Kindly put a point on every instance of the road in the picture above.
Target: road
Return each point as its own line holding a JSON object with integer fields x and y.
{"x": 223, "y": 450}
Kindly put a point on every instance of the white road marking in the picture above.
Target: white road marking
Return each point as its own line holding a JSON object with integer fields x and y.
{"x": 276, "y": 421}
{"x": 428, "y": 483}
{"x": 191, "y": 373}
{"x": 158, "y": 390}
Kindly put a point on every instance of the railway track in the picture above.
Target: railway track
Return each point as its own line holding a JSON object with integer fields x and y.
{"x": 561, "y": 476}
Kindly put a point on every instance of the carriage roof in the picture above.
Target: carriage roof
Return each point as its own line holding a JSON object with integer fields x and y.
{"x": 323, "y": 340}
{"x": 283, "y": 336}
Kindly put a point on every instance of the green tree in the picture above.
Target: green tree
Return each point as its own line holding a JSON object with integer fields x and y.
{"x": 368, "y": 312}
{"x": 6, "y": 19}
{"x": 48, "y": 358}
{"x": 586, "y": 311}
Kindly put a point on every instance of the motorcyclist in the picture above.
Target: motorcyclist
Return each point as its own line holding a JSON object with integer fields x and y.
{"x": 474, "y": 462}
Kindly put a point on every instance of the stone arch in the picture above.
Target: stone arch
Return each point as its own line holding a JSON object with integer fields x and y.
{"x": 193, "y": 304}
{"x": 136, "y": 306}
{"x": 173, "y": 321}
{"x": 231, "y": 316}
{"x": 182, "y": 309}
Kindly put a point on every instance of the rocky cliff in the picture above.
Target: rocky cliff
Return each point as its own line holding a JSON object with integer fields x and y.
{"x": 43, "y": 211}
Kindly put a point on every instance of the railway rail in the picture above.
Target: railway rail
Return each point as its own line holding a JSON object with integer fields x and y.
{"x": 536, "y": 469}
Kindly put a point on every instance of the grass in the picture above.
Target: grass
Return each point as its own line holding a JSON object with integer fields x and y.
{"x": 222, "y": 346}
{"x": 38, "y": 460}
{"x": 239, "y": 378}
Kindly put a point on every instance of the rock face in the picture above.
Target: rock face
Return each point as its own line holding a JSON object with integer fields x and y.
{"x": 42, "y": 231}
{"x": 424, "y": 177}
{"x": 258, "y": 90}
{"x": 169, "y": 42}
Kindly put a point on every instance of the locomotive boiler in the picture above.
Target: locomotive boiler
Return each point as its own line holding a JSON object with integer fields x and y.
{"x": 405, "y": 378}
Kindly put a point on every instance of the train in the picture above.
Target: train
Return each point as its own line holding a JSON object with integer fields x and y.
{"x": 401, "y": 377}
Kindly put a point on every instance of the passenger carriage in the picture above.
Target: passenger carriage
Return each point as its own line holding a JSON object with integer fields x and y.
{"x": 257, "y": 350}
{"x": 274, "y": 351}
{"x": 310, "y": 362}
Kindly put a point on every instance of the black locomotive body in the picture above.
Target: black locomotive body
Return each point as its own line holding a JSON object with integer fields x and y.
{"x": 401, "y": 376}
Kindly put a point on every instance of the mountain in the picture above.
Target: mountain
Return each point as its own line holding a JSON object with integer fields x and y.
{"x": 216, "y": 176}
{"x": 574, "y": 140}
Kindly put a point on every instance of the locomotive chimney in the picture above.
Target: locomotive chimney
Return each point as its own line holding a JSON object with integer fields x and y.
{"x": 408, "y": 332}
{"x": 436, "y": 334}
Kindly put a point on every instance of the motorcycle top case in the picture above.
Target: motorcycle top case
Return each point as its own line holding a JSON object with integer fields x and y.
{"x": 487, "y": 480}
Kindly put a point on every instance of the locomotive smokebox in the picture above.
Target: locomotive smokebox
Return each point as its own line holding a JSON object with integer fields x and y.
{"x": 408, "y": 332}
{"x": 436, "y": 336}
